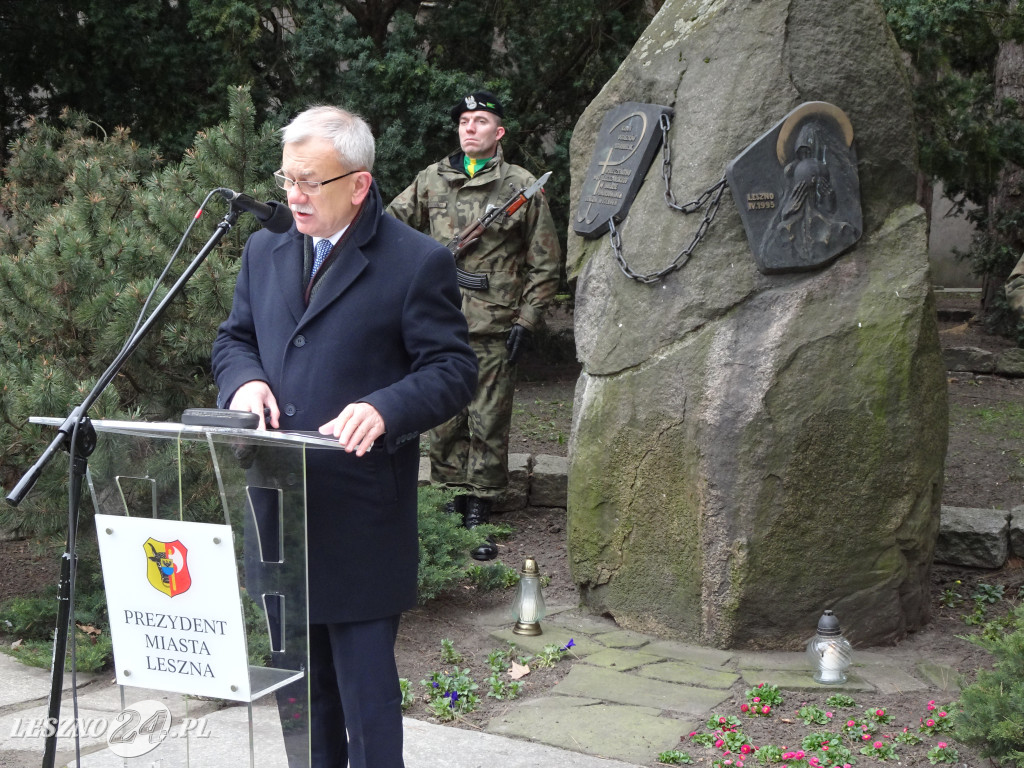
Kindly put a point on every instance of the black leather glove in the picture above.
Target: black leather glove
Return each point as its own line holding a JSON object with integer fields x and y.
{"x": 517, "y": 342}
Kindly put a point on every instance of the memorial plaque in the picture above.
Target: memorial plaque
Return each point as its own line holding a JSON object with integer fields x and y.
{"x": 797, "y": 190}
{"x": 629, "y": 137}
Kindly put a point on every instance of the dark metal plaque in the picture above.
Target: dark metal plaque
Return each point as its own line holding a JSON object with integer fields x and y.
{"x": 798, "y": 191}
{"x": 630, "y": 136}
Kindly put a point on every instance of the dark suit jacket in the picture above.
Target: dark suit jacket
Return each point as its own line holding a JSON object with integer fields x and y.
{"x": 384, "y": 327}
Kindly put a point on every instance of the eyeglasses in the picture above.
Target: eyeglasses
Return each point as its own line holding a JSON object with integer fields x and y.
{"x": 306, "y": 187}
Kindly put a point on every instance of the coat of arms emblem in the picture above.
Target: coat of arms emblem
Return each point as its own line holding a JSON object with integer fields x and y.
{"x": 167, "y": 567}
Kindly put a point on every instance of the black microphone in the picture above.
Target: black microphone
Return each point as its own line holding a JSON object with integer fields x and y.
{"x": 273, "y": 215}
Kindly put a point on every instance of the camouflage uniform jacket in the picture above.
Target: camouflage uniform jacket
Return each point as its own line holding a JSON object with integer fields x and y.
{"x": 519, "y": 254}
{"x": 1015, "y": 287}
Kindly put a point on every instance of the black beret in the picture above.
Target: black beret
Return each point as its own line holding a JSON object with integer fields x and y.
{"x": 483, "y": 101}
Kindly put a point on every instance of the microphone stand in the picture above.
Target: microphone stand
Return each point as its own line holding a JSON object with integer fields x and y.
{"x": 78, "y": 437}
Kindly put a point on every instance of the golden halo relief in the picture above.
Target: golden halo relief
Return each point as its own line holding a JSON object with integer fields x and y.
{"x": 806, "y": 110}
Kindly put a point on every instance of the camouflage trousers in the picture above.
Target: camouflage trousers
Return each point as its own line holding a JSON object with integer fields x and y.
{"x": 469, "y": 452}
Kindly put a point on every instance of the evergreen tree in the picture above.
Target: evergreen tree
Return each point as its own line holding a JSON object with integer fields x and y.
{"x": 991, "y": 711}
{"x": 75, "y": 276}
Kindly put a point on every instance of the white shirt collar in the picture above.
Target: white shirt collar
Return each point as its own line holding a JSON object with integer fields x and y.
{"x": 333, "y": 238}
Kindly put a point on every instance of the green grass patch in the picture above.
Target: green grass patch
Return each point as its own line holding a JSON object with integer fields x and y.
{"x": 1006, "y": 419}
{"x": 544, "y": 421}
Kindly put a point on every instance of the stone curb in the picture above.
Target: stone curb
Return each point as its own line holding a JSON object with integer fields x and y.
{"x": 536, "y": 481}
{"x": 978, "y": 538}
{"x": 1009, "y": 362}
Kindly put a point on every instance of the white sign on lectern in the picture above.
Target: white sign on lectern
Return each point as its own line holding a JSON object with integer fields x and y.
{"x": 173, "y": 600}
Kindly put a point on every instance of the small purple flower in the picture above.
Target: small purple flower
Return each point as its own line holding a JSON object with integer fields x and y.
{"x": 569, "y": 645}
{"x": 453, "y": 696}
{"x": 436, "y": 685}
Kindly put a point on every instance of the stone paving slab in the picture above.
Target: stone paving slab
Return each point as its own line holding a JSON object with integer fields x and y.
{"x": 635, "y": 734}
{"x": 96, "y": 702}
{"x": 773, "y": 660}
{"x": 623, "y": 638}
{"x": 802, "y": 681}
{"x": 622, "y": 688}
{"x": 97, "y": 708}
{"x": 695, "y": 654}
{"x": 688, "y": 674}
{"x": 582, "y": 645}
{"x": 584, "y": 623}
{"x": 22, "y": 683}
{"x": 615, "y": 658}
{"x": 21, "y": 730}
{"x": 226, "y": 745}
{"x": 888, "y": 679}
{"x": 438, "y": 746}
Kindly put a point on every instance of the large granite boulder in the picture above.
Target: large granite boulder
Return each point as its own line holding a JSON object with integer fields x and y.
{"x": 749, "y": 449}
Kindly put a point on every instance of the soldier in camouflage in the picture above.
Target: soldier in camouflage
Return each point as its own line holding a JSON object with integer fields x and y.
{"x": 520, "y": 256}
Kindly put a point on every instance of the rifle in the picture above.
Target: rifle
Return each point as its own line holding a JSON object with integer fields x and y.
{"x": 477, "y": 281}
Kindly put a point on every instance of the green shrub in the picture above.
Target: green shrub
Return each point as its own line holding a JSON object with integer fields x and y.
{"x": 991, "y": 713}
{"x": 488, "y": 578}
{"x": 30, "y": 618}
{"x": 33, "y": 617}
{"x": 257, "y": 640}
{"x": 92, "y": 654}
{"x": 444, "y": 543}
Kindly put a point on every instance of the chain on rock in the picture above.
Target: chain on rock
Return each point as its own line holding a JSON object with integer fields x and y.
{"x": 711, "y": 198}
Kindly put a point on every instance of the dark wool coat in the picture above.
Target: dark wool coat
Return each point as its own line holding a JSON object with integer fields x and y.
{"x": 384, "y": 327}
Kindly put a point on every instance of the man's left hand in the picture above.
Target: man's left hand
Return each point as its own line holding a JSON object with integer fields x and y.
{"x": 356, "y": 427}
{"x": 517, "y": 342}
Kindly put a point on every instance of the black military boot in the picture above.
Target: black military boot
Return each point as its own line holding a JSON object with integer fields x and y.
{"x": 479, "y": 511}
{"x": 457, "y": 506}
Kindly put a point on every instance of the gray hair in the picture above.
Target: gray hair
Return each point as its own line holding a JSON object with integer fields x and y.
{"x": 348, "y": 132}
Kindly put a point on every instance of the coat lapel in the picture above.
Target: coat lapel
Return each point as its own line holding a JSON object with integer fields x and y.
{"x": 346, "y": 267}
{"x": 286, "y": 272}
